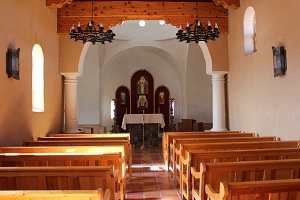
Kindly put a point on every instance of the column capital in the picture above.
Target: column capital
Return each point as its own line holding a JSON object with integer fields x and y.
{"x": 218, "y": 73}
{"x": 71, "y": 75}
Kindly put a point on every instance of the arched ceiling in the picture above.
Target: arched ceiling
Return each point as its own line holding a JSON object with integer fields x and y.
{"x": 111, "y": 13}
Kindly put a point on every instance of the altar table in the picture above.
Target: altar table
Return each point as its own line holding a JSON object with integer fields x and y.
{"x": 149, "y": 124}
{"x": 143, "y": 119}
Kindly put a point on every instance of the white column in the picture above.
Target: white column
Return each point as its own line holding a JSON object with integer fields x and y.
{"x": 71, "y": 116}
{"x": 218, "y": 87}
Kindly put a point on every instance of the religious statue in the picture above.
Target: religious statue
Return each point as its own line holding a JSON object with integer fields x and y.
{"x": 123, "y": 98}
{"x": 142, "y": 86}
{"x": 161, "y": 98}
{"x": 142, "y": 101}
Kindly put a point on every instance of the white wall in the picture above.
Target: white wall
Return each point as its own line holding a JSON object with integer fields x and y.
{"x": 258, "y": 102}
{"x": 88, "y": 88}
{"x": 176, "y": 65}
{"x": 25, "y": 23}
{"x": 199, "y": 86}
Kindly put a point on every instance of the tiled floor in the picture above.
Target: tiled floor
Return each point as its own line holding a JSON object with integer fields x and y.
{"x": 149, "y": 179}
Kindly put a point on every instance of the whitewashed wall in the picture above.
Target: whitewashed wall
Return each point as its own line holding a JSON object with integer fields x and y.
{"x": 258, "y": 102}
{"x": 176, "y": 65}
{"x": 24, "y": 24}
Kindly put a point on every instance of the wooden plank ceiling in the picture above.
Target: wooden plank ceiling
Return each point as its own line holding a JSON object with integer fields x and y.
{"x": 111, "y": 13}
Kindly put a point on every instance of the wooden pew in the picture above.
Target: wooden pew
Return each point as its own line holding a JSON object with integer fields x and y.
{"x": 82, "y": 138}
{"x": 69, "y": 159}
{"x": 168, "y": 137}
{"x": 66, "y": 149}
{"x": 214, "y": 173}
{"x": 175, "y": 153}
{"x": 55, "y": 194}
{"x": 194, "y": 159}
{"x": 286, "y": 189}
{"x": 104, "y": 143}
{"x": 238, "y": 145}
{"x": 59, "y": 178}
{"x": 115, "y": 135}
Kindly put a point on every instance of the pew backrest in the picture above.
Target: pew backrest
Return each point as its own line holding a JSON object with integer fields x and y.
{"x": 286, "y": 189}
{"x": 214, "y": 173}
{"x": 115, "y": 135}
{"x": 194, "y": 158}
{"x": 177, "y": 142}
{"x": 126, "y": 138}
{"x": 98, "y": 194}
{"x": 104, "y": 144}
{"x": 167, "y": 140}
{"x": 59, "y": 178}
{"x": 238, "y": 146}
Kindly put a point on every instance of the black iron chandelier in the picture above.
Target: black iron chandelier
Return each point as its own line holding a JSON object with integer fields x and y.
{"x": 199, "y": 32}
{"x": 92, "y": 33}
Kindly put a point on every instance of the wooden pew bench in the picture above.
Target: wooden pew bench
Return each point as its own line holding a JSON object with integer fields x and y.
{"x": 69, "y": 159}
{"x": 67, "y": 149}
{"x": 59, "y": 178}
{"x": 214, "y": 173}
{"x": 223, "y": 146}
{"x": 175, "y": 148}
{"x": 168, "y": 137}
{"x": 115, "y": 135}
{"x": 104, "y": 143}
{"x": 100, "y": 138}
{"x": 98, "y": 194}
{"x": 194, "y": 159}
{"x": 286, "y": 189}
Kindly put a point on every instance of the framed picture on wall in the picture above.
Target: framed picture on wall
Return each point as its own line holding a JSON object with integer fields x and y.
{"x": 279, "y": 61}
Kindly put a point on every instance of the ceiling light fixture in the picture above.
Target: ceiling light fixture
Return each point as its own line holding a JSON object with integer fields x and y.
{"x": 161, "y": 22}
{"x": 92, "y": 33}
{"x": 142, "y": 23}
{"x": 199, "y": 33}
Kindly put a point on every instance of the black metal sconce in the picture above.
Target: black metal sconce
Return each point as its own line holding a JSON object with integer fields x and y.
{"x": 279, "y": 60}
{"x": 12, "y": 63}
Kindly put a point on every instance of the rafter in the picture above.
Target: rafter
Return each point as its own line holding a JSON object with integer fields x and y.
{"x": 111, "y": 13}
{"x": 57, "y": 3}
{"x": 233, "y": 4}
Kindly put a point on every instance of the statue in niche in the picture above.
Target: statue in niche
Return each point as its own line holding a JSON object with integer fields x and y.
{"x": 142, "y": 86}
{"x": 123, "y": 98}
{"x": 161, "y": 98}
{"x": 142, "y": 101}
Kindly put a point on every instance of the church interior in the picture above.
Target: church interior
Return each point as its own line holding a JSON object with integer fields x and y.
{"x": 152, "y": 108}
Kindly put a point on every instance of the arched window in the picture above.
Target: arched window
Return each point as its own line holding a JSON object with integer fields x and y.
{"x": 249, "y": 31}
{"x": 37, "y": 79}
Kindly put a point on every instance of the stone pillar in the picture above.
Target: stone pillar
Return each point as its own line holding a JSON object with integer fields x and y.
{"x": 71, "y": 116}
{"x": 218, "y": 87}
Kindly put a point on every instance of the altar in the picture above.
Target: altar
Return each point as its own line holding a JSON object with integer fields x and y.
{"x": 150, "y": 124}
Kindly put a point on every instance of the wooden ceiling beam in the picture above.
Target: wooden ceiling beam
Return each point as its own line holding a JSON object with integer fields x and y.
{"x": 57, "y": 3}
{"x": 233, "y": 4}
{"x": 111, "y": 13}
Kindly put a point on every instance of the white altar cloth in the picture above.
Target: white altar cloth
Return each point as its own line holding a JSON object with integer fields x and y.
{"x": 138, "y": 119}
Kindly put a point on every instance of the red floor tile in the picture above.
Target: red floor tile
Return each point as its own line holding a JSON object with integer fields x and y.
{"x": 149, "y": 179}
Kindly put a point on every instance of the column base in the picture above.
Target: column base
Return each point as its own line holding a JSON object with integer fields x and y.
{"x": 72, "y": 131}
{"x": 218, "y": 129}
